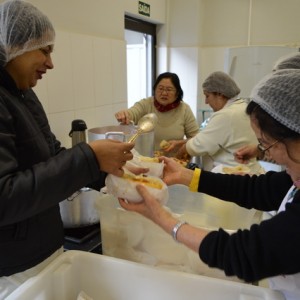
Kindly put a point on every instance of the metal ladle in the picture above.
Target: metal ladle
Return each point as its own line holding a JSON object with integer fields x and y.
{"x": 145, "y": 124}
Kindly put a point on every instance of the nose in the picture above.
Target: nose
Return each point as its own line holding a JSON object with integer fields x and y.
{"x": 49, "y": 62}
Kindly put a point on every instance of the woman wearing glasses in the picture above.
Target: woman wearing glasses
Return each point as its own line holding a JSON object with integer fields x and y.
{"x": 269, "y": 249}
{"x": 175, "y": 117}
{"x": 245, "y": 153}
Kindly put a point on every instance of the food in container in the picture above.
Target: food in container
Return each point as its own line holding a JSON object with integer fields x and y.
{"x": 152, "y": 163}
{"x": 164, "y": 144}
{"x": 239, "y": 169}
{"x": 125, "y": 187}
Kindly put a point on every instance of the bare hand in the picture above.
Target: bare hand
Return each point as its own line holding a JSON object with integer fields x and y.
{"x": 112, "y": 155}
{"x": 174, "y": 173}
{"x": 173, "y": 145}
{"x": 149, "y": 208}
{"x": 245, "y": 153}
{"x": 182, "y": 152}
{"x": 133, "y": 168}
{"x": 123, "y": 117}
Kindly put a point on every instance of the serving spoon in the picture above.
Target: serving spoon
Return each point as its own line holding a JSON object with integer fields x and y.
{"x": 145, "y": 124}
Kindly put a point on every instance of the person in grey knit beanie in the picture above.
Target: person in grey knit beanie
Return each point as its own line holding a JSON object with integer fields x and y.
{"x": 222, "y": 83}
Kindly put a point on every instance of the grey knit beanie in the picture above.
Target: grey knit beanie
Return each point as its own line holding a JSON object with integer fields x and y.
{"x": 278, "y": 94}
{"x": 220, "y": 82}
{"x": 290, "y": 61}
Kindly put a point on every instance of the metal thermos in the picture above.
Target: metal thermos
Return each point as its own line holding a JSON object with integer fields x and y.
{"x": 78, "y": 210}
{"x": 78, "y": 132}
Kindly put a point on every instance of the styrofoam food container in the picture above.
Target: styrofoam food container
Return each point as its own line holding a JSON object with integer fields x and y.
{"x": 123, "y": 188}
{"x": 107, "y": 278}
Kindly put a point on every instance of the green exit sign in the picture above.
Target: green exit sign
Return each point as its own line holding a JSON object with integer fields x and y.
{"x": 144, "y": 9}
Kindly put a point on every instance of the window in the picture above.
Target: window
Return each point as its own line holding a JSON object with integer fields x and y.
{"x": 141, "y": 58}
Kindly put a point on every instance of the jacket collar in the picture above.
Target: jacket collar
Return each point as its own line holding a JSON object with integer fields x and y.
{"x": 8, "y": 83}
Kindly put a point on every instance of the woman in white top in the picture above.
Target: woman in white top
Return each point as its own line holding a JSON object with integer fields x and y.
{"x": 227, "y": 129}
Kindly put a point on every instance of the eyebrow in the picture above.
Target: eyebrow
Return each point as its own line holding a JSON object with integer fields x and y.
{"x": 167, "y": 87}
{"x": 49, "y": 47}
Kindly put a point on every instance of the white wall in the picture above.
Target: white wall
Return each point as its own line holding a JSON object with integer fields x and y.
{"x": 88, "y": 82}
{"x": 206, "y": 28}
{"x": 89, "y": 78}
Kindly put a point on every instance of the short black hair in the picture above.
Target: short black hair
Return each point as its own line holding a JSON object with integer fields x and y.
{"x": 175, "y": 80}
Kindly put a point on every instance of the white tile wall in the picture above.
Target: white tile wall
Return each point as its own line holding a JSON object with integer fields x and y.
{"x": 82, "y": 65}
{"x": 60, "y": 79}
{"x": 102, "y": 71}
{"x": 119, "y": 74}
{"x": 184, "y": 64}
{"x": 88, "y": 82}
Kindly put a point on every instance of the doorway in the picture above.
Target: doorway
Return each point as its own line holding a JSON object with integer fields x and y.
{"x": 140, "y": 39}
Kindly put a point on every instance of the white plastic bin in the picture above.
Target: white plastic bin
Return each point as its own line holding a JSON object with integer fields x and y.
{"x": 108, "y": 278}
{"x": 130, "y": 236}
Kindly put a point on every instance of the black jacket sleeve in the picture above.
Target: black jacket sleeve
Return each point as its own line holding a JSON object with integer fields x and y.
{"x": 267, "y": 249}
{"x": 264, "y": 192}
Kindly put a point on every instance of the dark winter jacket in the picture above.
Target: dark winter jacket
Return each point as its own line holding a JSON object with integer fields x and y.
{"x": 36, "y": 173}
{"x": 269, "y": 249}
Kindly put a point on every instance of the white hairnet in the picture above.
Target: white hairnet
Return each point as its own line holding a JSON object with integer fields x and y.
{"x": 290, "y": 61}
{"x": 220, "y": 82}
{"x": 278, "y": 94}
{"x": 22, "y": 28}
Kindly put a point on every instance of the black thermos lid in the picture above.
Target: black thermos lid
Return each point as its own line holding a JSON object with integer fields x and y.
{"x": 77, "y": 125}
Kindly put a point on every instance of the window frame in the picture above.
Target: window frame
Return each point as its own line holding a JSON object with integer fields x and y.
{"x": 148, "y": 28}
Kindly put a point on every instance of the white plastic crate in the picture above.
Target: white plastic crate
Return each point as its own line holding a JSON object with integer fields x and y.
{"x": 130, "y": 236}
{"x": 108, "y": 278}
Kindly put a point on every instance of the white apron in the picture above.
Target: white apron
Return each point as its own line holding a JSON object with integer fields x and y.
{"x": 289, "y": 285}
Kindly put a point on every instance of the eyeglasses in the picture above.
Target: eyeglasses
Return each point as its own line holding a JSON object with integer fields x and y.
{"x": 168, "y": 90}
{"x": 264, "y": 149}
